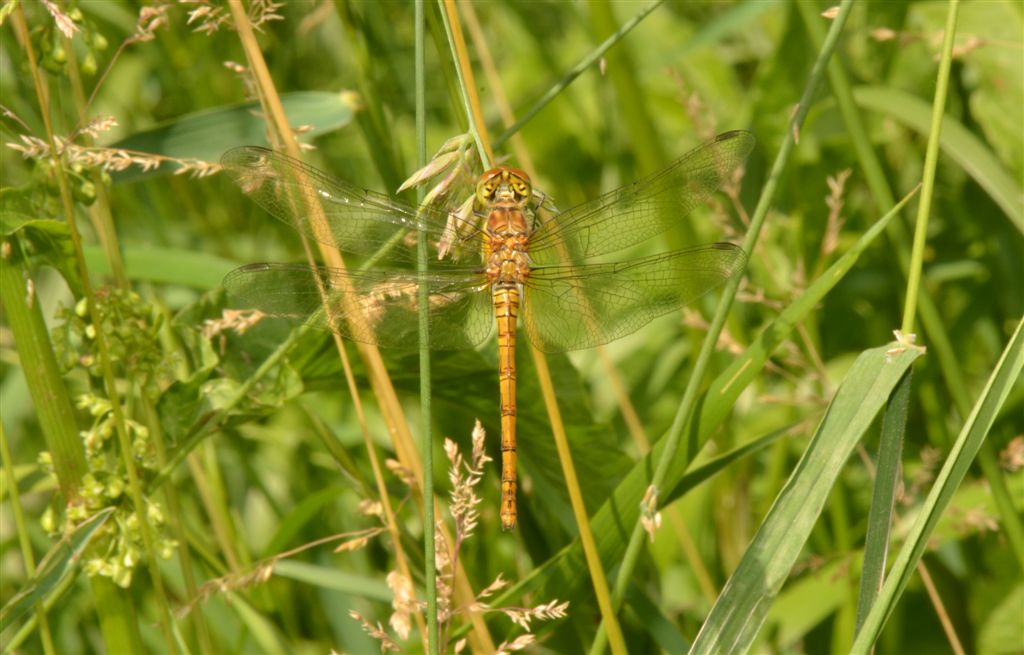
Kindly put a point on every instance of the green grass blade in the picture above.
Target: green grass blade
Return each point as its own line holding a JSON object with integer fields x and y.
{"x": 35, "y": 351}
{"x": 975, "y": 429}
{"x": 741, "y": 609}
{"x": 54, "y": 569}
{"x": 884, "y": 497}
{"x": 426, "y": 422}
{"x": 931, "y": 162}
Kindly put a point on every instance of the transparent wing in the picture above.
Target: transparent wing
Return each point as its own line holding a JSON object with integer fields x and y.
{"x": 573, "y": 307}
{"x": 378, "y": 307}
{"x": 355, "y": 220}
{"x": 643, "y": 209}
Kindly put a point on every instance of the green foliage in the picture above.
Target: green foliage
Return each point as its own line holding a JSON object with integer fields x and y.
{"x": 247, "y": 446}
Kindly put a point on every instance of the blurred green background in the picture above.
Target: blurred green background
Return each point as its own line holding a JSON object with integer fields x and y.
{"x": 269, "y": 480}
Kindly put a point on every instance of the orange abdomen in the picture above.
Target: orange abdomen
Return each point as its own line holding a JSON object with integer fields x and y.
{"x": 506, "y": 309}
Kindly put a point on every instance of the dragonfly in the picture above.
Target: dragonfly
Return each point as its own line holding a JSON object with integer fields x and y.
{"x": 500, "y": 265}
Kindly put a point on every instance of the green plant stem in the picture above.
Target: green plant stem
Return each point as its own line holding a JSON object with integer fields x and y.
{"x": 426, "y": 447}
{"x": 99, "y": 211}
{"x": 176, "y": 522}
{"x": 931, "y": 162}
{"x": 592, "y": 57}
{"x": 674, "y": 435}
{"x": 102, "y": 587}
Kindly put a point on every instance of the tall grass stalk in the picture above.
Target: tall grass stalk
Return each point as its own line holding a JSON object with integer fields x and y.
{"x": 380, "y": 381}
{"x": 931, "y": 162}
{"x": 594, "y": 565}
{"x": 522, "y": 155}
{"x": 674, "y": 436}
{"x": 426, "y": 435}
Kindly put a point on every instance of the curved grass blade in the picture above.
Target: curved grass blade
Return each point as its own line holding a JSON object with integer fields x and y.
{"x": 59, "y": 563}
{"x": 975, "y": 429}
{"x": 740, "y": 610}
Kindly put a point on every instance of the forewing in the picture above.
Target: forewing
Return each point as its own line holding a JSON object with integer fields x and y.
{"x": 353, "y": 219}
{"x": 645, "y": 208}
{"x": 379, "y": 307}
{"x": 573, "y": 307}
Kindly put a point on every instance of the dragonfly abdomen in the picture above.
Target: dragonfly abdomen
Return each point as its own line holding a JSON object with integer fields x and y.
{"x": 506, "y": 311}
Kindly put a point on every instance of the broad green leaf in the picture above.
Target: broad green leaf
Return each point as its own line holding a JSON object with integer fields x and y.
{"x": 44, "y": 241}
{"x": 806, "y": 602}
{"x": 319, "y": 576}
{"x": 743, "y": 605}
{"x": 164, "y": 266}
{"x": 1001, "y": 631}
{"x": 956, "y": 142}
{"x": 975, "y": 429}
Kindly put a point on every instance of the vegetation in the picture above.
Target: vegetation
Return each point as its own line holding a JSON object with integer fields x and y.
{"x": 766, "y": 471}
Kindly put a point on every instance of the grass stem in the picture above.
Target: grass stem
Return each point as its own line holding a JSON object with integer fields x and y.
{"x": 674, "y": 437}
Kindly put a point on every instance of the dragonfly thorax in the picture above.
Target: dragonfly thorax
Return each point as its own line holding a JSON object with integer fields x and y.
{"x": 505, "y": 193}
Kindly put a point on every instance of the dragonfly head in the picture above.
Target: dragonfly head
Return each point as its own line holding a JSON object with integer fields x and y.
{"x": 503, "y": 184}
